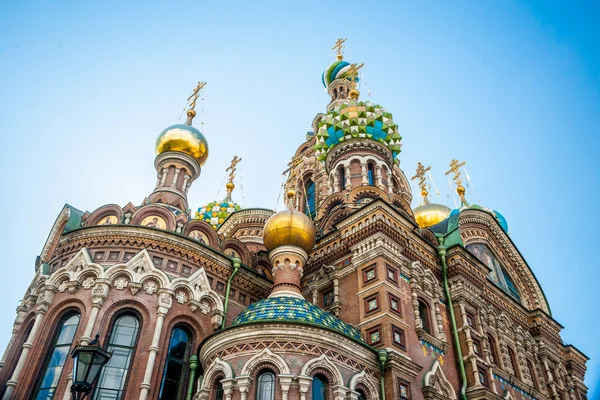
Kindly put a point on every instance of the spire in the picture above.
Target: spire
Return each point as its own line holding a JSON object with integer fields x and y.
{"x": 455, "y": 170}
{"x": 191, "y": 113}
{"x": 231, "y": 169}
{"x": 339, "y": 49}
{"x": 421, "y": 176}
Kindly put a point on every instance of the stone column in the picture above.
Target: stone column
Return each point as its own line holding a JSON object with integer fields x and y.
{"x": 165, "y": 172}
{"x": 165, "y": 301}
{"x": 8, "y": 347}
{"x": 378, "y": 177}
{"x": 304, "y": 385}
{"x": 186, "y": 178}
{"x": 174, "y": 183}
{"x": 348, "y": 178}
{"x": 339, "y": 392}
{"x": 17, "y": 326}
{"x": 227, "y": 388}
{"x": 42, "y": 306}
{"x": 336, "y": 182}
{"x": 243, "y": 386}
{"x": 285, "y": 382}
{"x": 98, "y": 295}
{"x": 439, "y": 320}
{"x": 365, "y": 178}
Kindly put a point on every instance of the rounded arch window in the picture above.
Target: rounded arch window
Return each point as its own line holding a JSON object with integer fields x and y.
{"x": 310, "y": 190}
{"x": 265, "y": 386}
{"x": 361, "y": 395}
{"x": 219, "y": 390}
{"x": 424, "y": 315}
{"x": 371, "y": 173}
{"x": 122, "y": 342}
{"x": 342, "y": 177}
{"x": 175, "y": 372}
{"x": 319, "y": 388}
{"x": 57, "y": 356}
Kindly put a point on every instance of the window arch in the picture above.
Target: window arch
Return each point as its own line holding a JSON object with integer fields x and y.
{"x": 498, "y": 273}
{"x": 57, "y": 356}
{"x": 265, "y": 386}
{"x": 122, "y": 342}
{"x": 175, "y": 372}
{"x": 424, "y": 315}
{"x": 493, "y": 351}
{"x": 513, "y": 361}
{"x": 532, "y": 374}
{"x": 361, "y": 395}
{"x": 310, "y": 190}
{"x": 319, "y": 388}
{"x": 371, "y": 173}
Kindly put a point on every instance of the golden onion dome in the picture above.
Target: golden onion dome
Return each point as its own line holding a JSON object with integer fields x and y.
{"x": 430, "y": 214}
{"x": 185, "y": 139}
{"x": 289, "y": 228}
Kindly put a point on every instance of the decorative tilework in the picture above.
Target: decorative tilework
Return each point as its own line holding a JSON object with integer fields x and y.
{"x": 517, "y": 389}
{"x": 356, "y": 119}
{"x": 436, "y": 352}
{"x": 216, "y": 213}
{"x": 404, "y": 278}
{"x": 292, "y": 309}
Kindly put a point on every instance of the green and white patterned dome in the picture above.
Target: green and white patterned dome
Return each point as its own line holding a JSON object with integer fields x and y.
{"x": 216, "y": 212}
{"x": 354, "y": 120}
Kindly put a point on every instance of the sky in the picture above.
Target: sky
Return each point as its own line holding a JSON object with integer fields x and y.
{"x": 512, "y": 88}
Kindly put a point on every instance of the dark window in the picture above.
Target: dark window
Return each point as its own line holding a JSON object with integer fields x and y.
{"x": 265, "y": 387}
{"x": 372, "y": 304}
{"x": 361, "y": 395}
{"x": 404, "y": 389}
{"x": 342, "y": 176}
{"x": 175, "y": 371}
{"x": 371, "y": 174}
{"x": 122, "y": 341}
{"x": 395, "y": 305}
{"x": 532, "y": 374}
{"x": 319, "y": 388}
{"x": 476, "y": 347}
{"x": 482, "y": 376}
{"x": 470, "y": 320}
{"x": 424, "y": 315}
{"x": 61, "y": 344}
{"x": 219, "y": 391}
{"x": 398, "y": 337}
{"x": 310, "y": 199}
{"x": 328, "y": 298}
{"x": 369, "y": 274}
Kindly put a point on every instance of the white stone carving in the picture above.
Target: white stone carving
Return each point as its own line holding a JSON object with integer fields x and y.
{"x": 181, "y": 297}
{"x": 88, "y": 282}
{"x": 121, "y": 283}
{"x": 150, "y": 287}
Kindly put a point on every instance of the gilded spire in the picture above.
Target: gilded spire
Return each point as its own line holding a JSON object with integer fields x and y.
{"x": 422, "y": 180}
{"x": 455, "y": 170}
{"x": 232, "y": 169}
{"x": 191, "y": 113}
{"x": 339, "y": 49}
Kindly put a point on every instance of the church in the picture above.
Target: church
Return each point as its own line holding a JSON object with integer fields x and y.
{"x": 346, "y": 294}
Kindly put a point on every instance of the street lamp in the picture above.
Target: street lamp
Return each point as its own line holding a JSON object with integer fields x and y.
{"x": 88, "y": 360}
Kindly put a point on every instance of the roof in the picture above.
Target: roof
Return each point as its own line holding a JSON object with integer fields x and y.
{"x": 291, "y": 309}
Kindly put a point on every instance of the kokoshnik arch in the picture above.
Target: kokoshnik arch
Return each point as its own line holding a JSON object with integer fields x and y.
{"x": 348, "y": 293}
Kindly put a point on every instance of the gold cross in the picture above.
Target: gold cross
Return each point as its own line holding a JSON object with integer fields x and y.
{"x": 339, "y": 48}
{"x": 420, "y": 175}
{"x": 195, "y": 94}
{"x": 232, "y": 167}
{"x": 455, "y": 169}
{"x": 352, "y": 73}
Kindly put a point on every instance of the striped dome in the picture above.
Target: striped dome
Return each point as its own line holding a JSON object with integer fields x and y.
{"x": 335, "y": 71}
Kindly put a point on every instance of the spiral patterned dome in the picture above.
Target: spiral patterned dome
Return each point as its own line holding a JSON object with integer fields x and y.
{"x": 216, "y": 212}
{"x": 357, "y": 119}
{"x": 337, "y": 70}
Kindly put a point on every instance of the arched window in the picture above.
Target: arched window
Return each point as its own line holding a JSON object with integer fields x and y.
{"x": 532, "y": 374}
{"x": 219, "y": 390}
{"x": 57, "y": 356}
{"x": 513, "y": 361}
{"x": 176, "y": 366}
{"x": 371, "y": 174}
{"x": 361, "y": 395}
{"x": 265, "y": 386}
{"x": 319, "y": 388}
{"x": 498, "y": 273}
{"x": 342, "y": 176}
{"x": 493, "y": 352}
{"x": 310, "y": 198}
{"x": 424, "y": 315}
{"x": 122, "y": 341}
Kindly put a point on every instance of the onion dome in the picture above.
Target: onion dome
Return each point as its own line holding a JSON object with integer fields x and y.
{"x": 294, "y": 310}
{"x": 184, "y": 139}
{"x": 216, "y": 212}
{"x": 356, "y": 119}
{"x": 337, "y": 70}
{"x": 289, "y": 228}
{"x": 501, "y": 220}
{"x": 429, "y": 214}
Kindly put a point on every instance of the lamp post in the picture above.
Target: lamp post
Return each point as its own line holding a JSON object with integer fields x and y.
{"x": 88, "y": 360}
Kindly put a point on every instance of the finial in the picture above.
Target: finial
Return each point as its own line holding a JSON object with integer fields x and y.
{"x": 191, "y": 113}
{"x": 291, "y": 193}
{"x": 455, "y": 169}
{"x": 339, "y": 49}
{"x": 231, "y": 169}
{"x": 420, "y": 175}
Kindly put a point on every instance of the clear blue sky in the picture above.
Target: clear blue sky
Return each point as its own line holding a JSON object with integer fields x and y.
{"x": 511, "y": 87}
